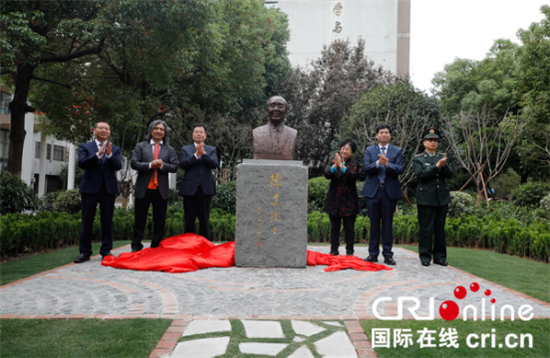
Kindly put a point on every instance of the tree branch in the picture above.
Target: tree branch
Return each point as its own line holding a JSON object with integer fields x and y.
{"x": 51, "y": 81}
{"x": 71, "y": 56}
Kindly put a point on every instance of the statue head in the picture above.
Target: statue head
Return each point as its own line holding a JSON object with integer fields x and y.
{"x": 276, "y": 109}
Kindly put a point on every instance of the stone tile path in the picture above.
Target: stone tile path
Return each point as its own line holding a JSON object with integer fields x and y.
{"x": 213, "y": 296}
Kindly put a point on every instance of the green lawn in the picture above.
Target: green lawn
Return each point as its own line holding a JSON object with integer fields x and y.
{"x": 523, "y": 275}
{"x": 538, "y": 328}
{"x": 81, "y": 338}
{"x": 16, "y": 270}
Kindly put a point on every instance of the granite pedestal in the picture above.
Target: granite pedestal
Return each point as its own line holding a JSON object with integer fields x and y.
{"x": 271, "y": 228}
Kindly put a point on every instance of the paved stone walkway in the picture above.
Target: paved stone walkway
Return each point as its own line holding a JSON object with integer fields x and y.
{"x": 90, "y": 290}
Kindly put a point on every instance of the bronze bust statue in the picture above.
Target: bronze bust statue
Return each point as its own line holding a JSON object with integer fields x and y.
{"x": 274, "y": 140}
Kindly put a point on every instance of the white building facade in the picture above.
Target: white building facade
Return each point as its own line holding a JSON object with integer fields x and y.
{"x": 383, "y": 24}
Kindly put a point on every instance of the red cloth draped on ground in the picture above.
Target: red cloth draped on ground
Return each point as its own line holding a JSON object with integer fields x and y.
{"x": 190, "y": 252}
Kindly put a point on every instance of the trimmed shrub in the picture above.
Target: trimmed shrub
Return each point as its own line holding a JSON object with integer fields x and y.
{"x": 68, "y": 201}
{"x": 15, "y": 195}
{"x": 317, "y": 193}
{"x": 45, "y": 203}
{"x": 226, "y": 199}
{"x": 461, "y": 203}
{"x": 530, "y": 193}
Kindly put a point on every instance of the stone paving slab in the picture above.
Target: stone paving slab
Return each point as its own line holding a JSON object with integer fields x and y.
{"x": 91, "y": 290}
{"x": 215, "y": 295}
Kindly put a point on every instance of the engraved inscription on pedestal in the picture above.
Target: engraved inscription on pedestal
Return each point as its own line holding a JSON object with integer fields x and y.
{"x": 271, "y": 228}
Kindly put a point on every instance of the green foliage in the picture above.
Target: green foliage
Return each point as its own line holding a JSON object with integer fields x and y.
{"x": 226, "y": 197}
{"x": 46, "y": 202}
{"x": 68, "y": 201}
{"x": 530, "y": 193}
{"x": 468, "y": 85}
{"x": 505, "y": 183}
{"x": 533, "y": 81}
{"x": 317, "y": 193}
{"x": 461, "y": 203}
{"x": 545, "y": 207}
{"x": 406, "y": 109}
{"x": 314, "y": 108}
{"x": 15, "y": 195}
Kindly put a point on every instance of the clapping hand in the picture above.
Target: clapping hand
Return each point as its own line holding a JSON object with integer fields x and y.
{"x": 338, "y": 161}
{"x": 105, "y": 147}
{"x": 383, "y": 160}
{"x": 442, "y": 162}
{"x": 200, "y": 149}
{"x": 157, "y": 163}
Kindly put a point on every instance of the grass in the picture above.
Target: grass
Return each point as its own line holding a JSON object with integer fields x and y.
{"x": 238, "y": 336}
{"x": 81, "y": 338}
{"x": 523, "y": 275}
{"x": 538, "y": 328}
{"x": 18, "y": 269}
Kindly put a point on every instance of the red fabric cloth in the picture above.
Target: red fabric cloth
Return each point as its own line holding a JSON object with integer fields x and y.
{"x": 190, "y": 252}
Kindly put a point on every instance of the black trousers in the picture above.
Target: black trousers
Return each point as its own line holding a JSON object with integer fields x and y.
{"x": 140, "y": 218}
{"x": 106, "y": 203}
{"x": 381, "y": 207}
{"x": 431, "y": 222}
{"x": 349, "y": 232}
{"x": 197, "y": 205}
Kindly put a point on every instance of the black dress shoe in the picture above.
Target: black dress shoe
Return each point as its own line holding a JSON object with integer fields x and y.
{"x": 136, "y": 250}
{"x": 81, "y": 258}
{"x": 108, "y": 253}
{"x": 372, "y": 258}
{"x": 349, "y": 253}
{"x": 388, "y": 260}
{"x": 425, "y": 264}
{"x": 441, "y": 263}
{"x": 334, "y": 253}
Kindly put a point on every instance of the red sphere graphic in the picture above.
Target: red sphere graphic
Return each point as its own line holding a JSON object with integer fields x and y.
{"x": 487, "y": 292}
{"x": 493, "y": 300}
{"x": 448, "y": 310}
{"x": 474, "y": 287}
{"x": 460, "y": 292}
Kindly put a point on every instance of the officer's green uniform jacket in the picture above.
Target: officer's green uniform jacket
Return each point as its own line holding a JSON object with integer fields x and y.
{"x": 432, "y": 188}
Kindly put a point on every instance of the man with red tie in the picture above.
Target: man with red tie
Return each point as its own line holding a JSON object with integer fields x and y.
{"x": 153, "y": 159}
{"x": 100, "y": 159}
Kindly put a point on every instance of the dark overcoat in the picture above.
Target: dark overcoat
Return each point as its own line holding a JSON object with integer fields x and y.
{"x": 342, "y": 199}
{"x": 432, "y": 188}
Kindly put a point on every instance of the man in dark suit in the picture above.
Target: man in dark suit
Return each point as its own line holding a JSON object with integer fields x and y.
{"x": 153, "y": 159}
{"x": 432, "y": 199}
{"x": 383, "y": 164}
{"x": 198, "y": 186}
{"x": 100, "y": 160}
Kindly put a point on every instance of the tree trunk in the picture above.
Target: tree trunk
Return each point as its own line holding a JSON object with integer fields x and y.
{"x": 18, "y": 108}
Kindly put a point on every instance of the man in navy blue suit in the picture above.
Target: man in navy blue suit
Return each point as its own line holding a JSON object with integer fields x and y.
{"x": 198, "y": 186}
{"x": 100, "y": 160}
{"x": 383, "y": 164}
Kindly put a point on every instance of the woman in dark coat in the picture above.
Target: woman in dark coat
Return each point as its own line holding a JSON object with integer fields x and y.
{"x": 342, "y": 202}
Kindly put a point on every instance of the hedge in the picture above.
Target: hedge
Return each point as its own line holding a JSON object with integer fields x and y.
{"x": 47, "y": 230}
{"x": 504, "y": 235}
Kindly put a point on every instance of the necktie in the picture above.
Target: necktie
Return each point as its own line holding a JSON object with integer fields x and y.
{"x": 154, "y": 183}
{"x": 382, "y": 169}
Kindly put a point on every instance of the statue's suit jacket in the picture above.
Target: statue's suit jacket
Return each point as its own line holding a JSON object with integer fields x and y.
{"x": 198, "y": 170}
{"x": 265, "y": 148}
{"x": 394, "y": 169}
{"x": 142, "y": 156}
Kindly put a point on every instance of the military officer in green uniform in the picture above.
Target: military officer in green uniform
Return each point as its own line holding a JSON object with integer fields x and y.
{"x": 432, "y": 199}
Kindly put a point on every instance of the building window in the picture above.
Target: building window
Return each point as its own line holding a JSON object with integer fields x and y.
{"x": 58, "y": 152}
{"x": 5, "y": 99}
{"x": 49, "y": 152}
{"x": 271, "y": 4}
{"x": 37, "y": 150}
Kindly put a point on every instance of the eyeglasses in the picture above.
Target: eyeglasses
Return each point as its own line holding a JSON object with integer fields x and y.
{"x": 103, "y": 128}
